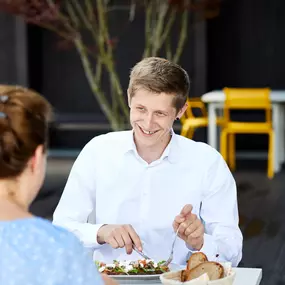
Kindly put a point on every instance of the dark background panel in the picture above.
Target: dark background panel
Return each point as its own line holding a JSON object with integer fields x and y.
{"x": 246, "y": 46}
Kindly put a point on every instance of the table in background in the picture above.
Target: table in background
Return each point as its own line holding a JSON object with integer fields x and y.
{"x": 215, "y": 100}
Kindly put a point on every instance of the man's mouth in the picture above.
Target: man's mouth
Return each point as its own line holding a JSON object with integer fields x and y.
{"x": 147, "y": 132}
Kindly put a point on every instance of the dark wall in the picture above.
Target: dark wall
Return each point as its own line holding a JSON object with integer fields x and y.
{"x": 246, "y": 49}
{"x": 13, "y": 52}
{"x": 8, "y": 65}
{"x": 246, "y": 45}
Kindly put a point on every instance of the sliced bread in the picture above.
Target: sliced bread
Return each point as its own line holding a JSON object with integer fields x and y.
{"x": 184, "y": 275}
{"x": 213, "y": 269}
{"x": 196, "y": 259}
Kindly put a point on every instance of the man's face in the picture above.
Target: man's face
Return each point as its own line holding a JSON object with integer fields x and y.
{"x": 152, "y": 116}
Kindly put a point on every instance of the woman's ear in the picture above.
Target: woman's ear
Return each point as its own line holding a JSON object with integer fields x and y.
{"x": 37, "y": 158}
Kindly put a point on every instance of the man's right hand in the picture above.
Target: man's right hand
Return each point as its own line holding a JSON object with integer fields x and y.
{"x": 119, "y": 236}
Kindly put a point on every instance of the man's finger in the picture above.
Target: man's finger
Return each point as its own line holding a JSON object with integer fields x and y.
{"x": 187, "y": 209}
{"x": 175, "y": 225}
{"x": 182, "y": 227}
{"x": 127, "y": 241}
{"x": 192, "y": 227}
{"x": 179, "y": 219}
{"x": 119, "y": 239}
{"x": 111, "y": 241}
{"x": 199, "y": 231}
{"x": 134, "y": 237}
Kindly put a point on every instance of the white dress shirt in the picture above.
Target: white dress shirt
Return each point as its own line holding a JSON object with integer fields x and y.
{"x": 111, "y": 184}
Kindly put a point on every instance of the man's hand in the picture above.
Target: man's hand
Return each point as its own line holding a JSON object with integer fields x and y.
{"x": 108, "y": 280}
{"x": 119, "y": 236}
{"x": 191, "y": 230}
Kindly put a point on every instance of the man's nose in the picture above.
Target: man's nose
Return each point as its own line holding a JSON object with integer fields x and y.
{"x": 148, "y": 121}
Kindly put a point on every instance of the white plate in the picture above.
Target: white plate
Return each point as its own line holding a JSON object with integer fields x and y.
{"x": 142, "y": 279}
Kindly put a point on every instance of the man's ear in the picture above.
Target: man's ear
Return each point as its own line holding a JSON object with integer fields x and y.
{"x": 182, "y": 111}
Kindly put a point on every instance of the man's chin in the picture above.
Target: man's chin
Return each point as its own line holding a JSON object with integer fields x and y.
{"x": 145, "y": 139}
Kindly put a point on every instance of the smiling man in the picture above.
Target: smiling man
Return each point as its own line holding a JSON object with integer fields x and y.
{"x": 136, "y": 188}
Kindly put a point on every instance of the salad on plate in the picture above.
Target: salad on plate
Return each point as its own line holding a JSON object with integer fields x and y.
{"x": 138, "y": 267}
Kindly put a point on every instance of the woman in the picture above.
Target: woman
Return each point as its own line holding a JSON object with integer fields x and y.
{"x": 32, "y": 250}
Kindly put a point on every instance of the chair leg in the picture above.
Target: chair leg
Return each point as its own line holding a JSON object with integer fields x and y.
{"x": 184, "y": 130}
{"x": 187, "y": 132}
{"x": 223, "y": 145}
{"x": 190, "y": 133}
{"x": 232, "y": 152}
{"x": 270, "y": 169}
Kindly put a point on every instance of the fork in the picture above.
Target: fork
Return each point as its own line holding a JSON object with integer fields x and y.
{"x": 140, "y": 252}
{"x": 167, "y": 262}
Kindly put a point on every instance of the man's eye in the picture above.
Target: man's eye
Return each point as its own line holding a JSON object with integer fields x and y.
{"x": 160, "y": 114}
{"x": 140, "y": 108}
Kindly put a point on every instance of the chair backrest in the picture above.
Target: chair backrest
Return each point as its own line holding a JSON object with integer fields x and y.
{"x": 247, "y": 98}
{"x": 194, "y": 103}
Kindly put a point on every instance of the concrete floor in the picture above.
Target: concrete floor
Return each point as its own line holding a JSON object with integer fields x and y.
{"x": 261, "y": 207}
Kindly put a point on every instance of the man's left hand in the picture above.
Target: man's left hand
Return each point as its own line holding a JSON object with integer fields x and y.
{"x": 191, "y": 229}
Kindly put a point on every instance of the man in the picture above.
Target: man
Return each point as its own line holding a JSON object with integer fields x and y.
{"x": 138, "y": 187}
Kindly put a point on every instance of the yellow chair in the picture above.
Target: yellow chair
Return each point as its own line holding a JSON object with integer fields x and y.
{"x": 189, "y": 122}
{"x": 250, "y": 99}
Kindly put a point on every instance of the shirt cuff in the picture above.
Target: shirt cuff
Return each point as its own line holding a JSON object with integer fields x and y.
{"x": 209, "y": 248}
{"x": 88, "y": 235}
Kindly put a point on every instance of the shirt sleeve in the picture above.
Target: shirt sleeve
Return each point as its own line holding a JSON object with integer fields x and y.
{"x": 219, "y": 213}
{"x": 78, "y": 199}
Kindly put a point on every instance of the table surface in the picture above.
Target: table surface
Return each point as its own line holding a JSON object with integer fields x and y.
{"x": 244, "y": 276}
{"x": 219, "y": 96}
{"x": 248, "y": 276}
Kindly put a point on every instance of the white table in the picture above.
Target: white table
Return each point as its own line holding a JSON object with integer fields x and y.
{"x": 215, "y": 101}
{"x": 244, "y": 276}
{"x": 248, "y": 276}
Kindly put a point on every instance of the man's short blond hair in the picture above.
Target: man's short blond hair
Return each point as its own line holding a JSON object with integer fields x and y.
{"x": 159, "y": 75}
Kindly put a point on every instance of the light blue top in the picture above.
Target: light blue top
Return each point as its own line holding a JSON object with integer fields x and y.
{"x": 34, "y": 252}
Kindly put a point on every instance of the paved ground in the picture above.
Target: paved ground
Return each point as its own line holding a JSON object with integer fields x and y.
{"x": 261, "y": 206}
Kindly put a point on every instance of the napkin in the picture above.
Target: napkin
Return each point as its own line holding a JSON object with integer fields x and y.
{"x": 173, "y": 278}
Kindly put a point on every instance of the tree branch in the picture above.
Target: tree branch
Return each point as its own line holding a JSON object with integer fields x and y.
{"x": 148, "y": 37}
{"x": 169, "y": 25}
{"x": 156, "y": 42}
{"x": 100, "y": 96}
{"x": 182, "y": 35}
{"x": 168, "y": 48}
{"x": 109, "y": 61}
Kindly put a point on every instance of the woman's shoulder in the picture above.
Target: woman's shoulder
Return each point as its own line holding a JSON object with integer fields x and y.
{"x": 36, "y": 232}
{"x": 35, "y": 245}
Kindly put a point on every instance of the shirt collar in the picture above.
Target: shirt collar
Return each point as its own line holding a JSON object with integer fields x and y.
{"x": 130, "y": 143}
{"x": 171, "y": 152}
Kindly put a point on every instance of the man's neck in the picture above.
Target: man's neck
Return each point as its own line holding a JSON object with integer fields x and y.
{"x": 152, "y": 153}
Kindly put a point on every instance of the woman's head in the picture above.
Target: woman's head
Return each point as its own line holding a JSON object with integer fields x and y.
{"x": 24, "y": 116}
